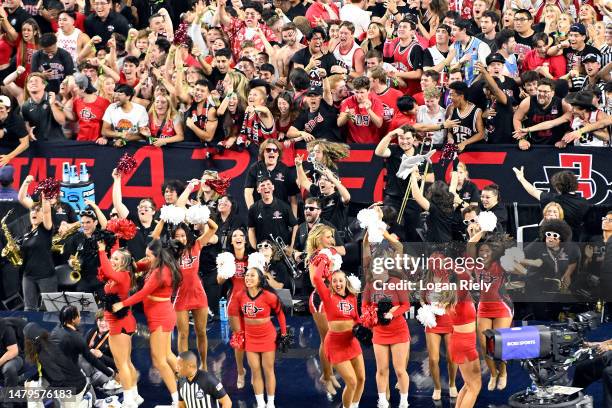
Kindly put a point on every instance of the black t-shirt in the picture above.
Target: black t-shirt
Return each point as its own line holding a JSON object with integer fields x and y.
{"x": 428, "y": 58}
{"x": 508, "y": 85}
{"x": 280, "y": 273}
{"x": 114, "y": 23}
{"x": 439, "y": 225}
{"x": 202, "y": 387}
{"x": 36, "y": 251}
{"x": 138, "y": 244}
{"x": 17, "y": 18}
{"x": 322, "y": 124}
{"x": 574, "y": 209}
{"x": 501, "y": 212}
{"x": 61, "y": 64}
{"x": 572, "y": 56}
{"x": 377, "y": 10}
{"x": 72, "y": 343}
{"x": 302, "y": 235}
{"x": 40, "y": 116}
{"x": 491, "y": 43}
{"x": 215, "y": 77}
{"x": 7, "y": 337}
{"x": 14, "y": 129}
{"x": 200, "y": 121}
{"x": 303, "y": 56}
{"x": 275, "y": 218}
{"x": 282, "y": 177}
{"x": 226, "y": 227}
{"x": 63, "y": 212}
{"x": 554, "y": 265}
{"x": 469, "y": 192}
{"x": 297, "y": 10}
{"x": 332, "y": 208}
{"x": 499, "y": 128}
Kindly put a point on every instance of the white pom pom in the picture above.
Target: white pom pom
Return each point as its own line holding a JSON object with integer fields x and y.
{"x": 437, "y": 309}
{"x": 510, "y": 258}
{"x": 369, "y": 219}
{"x": 515, "y": 253}
{"x": 507, "y": 262}
{"x": 487, "y": 221}
{"x": 337, "y": 262}
{"x": 198, "y": 214}
{"x": 226, "y": 265}
{"x": 256, "y": 260}
{"x": 355, "y": 282}
{"x": 172, "y": 214}
{"x": 426, "y": 316}
{"x": 327, "y": 252}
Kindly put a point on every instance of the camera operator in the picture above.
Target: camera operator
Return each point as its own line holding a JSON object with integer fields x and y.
{"x": 600, "y": 367}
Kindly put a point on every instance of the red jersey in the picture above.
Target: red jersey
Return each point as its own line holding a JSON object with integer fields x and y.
{"x": 238, "y": 278}
{"x": 319, "y": 10}
{"x": 154, "y": 286}
{"x": 123, "y": 80}
{"x": 89, "y": 117}
{"x": 403, "y": 62}
{"x": 556, "y": 65}
{"x": 336, "y": 307}
{"x": 400, "y": 120}
{"x": 254, "y": 130}
{"x": 189, "y": 264}
{"x": 399, "y": 298}
{"x": 6, "y": 49}
{"x": 389, "y": 100}
{"x": 258, "y": 307}
{"x": 464, "y": 311}
{"x": 166, "y": 131}
{"x": 496, "y": 276}
{"x": 361, "y": 129}
{"x": 464, "y": 7}
{"x": 118, "y": 282}
{"x": 237, "y": 31}
{"x": 23, "y": 57}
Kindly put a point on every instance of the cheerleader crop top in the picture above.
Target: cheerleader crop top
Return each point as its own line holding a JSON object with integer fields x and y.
{"x": 118, "y": 282}
{"x": 398, "y": 297}
{"x": 259, "y": 307}
{"x": 154, "y": 286}
{"x": 464, "y": 312}
{"x": 336, "y": 307}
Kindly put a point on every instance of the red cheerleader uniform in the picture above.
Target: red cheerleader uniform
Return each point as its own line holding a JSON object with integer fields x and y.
{"x": 321, "y": 265}
{"x": 494, "y": 302}
{"x": 259, "y": 338}
{"x": 237, "y": 285}
{"x": 463, "y": 345}
{"x": 397, "y": 330}
{"x": 157, "y": 313}
{"x": 190, "y": 294}
{"x": 117, "y": 282}
{"x": 338, "y": 346}
{"x": 444, "y": 323}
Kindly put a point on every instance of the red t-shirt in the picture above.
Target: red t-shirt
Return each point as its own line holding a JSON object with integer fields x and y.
{"x": 389, "y": 100}
{"x": 237, "y": 31}
{"x": 361, "y": 129}
{"x": 24, "y": 59}
{"x": 556, "y": 65}
{"x": 89, "y": 116}
{"x": 400, "y": 120}
{"x": 317, "y": 10}
{"x": 123, "y": 80}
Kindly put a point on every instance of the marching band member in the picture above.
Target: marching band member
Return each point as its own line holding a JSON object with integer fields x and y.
{"x": 255, "y": 305}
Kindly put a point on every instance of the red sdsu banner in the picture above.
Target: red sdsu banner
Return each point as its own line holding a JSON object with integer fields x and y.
{"x": 362, "y": 172}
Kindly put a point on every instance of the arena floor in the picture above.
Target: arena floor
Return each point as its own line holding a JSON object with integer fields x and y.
{"x": 297, "y": 371}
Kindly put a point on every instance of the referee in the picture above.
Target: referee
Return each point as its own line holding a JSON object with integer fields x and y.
{"x": 197, "y": 388}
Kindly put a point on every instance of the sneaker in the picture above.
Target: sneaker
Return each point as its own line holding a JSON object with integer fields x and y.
{"x": 403, "y": 405}
{"x": 437, "y": 395}
{"x": 492, "y": 383}
{"x": 501, "y": 382}
{"x": 452, "y": 392}
{"x": 139, "y": 399}
{"x": 111, "y": 385}
{"x": 382, "y": 404}
{"x": 240, "y": 381}
{"x": 270, "y": 404}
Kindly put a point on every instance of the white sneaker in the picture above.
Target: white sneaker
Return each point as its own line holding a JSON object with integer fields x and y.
{"x": 382, "y": 404}
{"x": 111, "y": 385}
{"x": 403, "y": 405}
{"x": 270, "y": 404}
{"x": 139, "y": 399}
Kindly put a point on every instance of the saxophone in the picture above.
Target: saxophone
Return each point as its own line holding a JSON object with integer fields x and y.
{"x": 57, "y": 238}
{"x": 74, "y": 261}
{"x": 11, "y": 251}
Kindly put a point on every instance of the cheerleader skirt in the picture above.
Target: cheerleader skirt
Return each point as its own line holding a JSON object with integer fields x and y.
{"x": 159, "y": 314}
{"x": 125, "y": 325}
{"x": 444, "y": 325}
{"x": 394, "y": 333}
{"x": 493, "y": 310}
{"x": 190, "y": 296}
{"x": 260, "y": 338}
{"x": 341, "y": 346}
{"x": 463, "y": 347}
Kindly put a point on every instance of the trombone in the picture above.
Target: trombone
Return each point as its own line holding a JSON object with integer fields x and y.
{"x": 400, "y": 215}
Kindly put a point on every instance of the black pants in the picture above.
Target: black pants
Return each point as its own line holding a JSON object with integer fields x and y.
{"x": 10, "y": 371}
{"x": 587, "y": 372}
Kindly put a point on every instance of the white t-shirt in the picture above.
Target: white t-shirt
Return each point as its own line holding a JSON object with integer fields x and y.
{"x": 356, "y": 15}
{"x": 130, "y": 121}
{"x": 424, "y": 117}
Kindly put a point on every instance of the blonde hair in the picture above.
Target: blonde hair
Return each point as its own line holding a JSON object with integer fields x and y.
{"x": 349, "y": 287}
{"x": 100, "y": 87}
{"x": 551, "y": 26}
{"x": 464, "y": 168}
{"x": 171, "y": 112}
{"x": 332, "y": 151}
{"x": 240, "y": 84}
{"x": 550, "y": 205}
{"x": 313, "y": 242}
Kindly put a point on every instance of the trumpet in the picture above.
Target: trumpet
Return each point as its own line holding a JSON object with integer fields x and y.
{"x": 319, "y": 167}
{"x": 75, "y": 263}
{"x": 11, "y": 251}
{"x": 281, "y": 247}
{"x": 57, "y": 238}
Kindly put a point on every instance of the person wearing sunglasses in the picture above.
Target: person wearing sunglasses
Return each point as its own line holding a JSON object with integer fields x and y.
{"x": 275, "y": 271}
{"x": 557, "y": 273}
{"x": 270, "y": 165}
{"x": 470, "y": 221}
{"x": 144, "y": 218}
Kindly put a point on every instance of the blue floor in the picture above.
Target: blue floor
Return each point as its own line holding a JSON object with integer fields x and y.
{"x": 298, "y": 371}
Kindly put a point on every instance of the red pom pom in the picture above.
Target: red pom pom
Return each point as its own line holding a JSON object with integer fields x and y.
{"x": 321, "y": 262}
{"x": 49, "y": 188}
{"x": 219, "y": 185}
{"x": 123, "y": 229}
{"x": 369, "y": 317}
{"x": 449, "y": 153}
{"x": 180, "y": 35}
{"x": 237, "y": 340}
{"x": 126, "y": 164}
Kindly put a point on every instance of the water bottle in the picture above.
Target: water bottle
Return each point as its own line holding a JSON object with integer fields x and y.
{"x": 65, "y": 172}
{"x": 83, "y": 173}
{"x": 223, "y": 310}
{"x": 74, "y": 176}
{"x": 225, "y": 332}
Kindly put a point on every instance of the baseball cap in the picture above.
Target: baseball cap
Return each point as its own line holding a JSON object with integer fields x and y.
{"x": 314, "y": 91}
{"x": 4, "y": 100}
{"x": 591, "y": 57}
{"x": 83, "y": 82}
{"x": 497, "y": 57}
{"x": 578, "y": 28}
{"x": 6, "y": 173}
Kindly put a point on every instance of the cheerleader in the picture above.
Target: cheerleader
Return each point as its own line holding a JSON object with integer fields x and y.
{"x": 340, "y": 345}
{"x": 434, "y": 336}
{"x": 254, "y": 306}
{"x": 321, "y": 237}
{"x": 238, "y": 249}
{"x": 117, "y": 273}
{"x": 163, "y": 277}
{"x": 190, "y": 296}
{"x": 460, "y": 306}
{"x": 391, "y": 334}
{"x": 495, "y": 309}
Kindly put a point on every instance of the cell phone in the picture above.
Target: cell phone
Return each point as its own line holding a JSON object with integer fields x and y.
{"x": 45, "y": 66}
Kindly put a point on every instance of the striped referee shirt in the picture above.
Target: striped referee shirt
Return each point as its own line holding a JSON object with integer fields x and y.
{"x": 202, "y": 391}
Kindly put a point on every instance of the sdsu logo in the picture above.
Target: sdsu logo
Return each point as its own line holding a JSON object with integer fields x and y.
{"x": 345, "y": 307}
{"x": 592, "y": 184}
{"x": 250, "y": 309}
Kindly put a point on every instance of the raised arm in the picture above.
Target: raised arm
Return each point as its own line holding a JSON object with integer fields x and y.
{"x": 382, "y": 149}
{"x": 530, "y": 188}
{"x": 416, "y": 191}
{"x": 23, "y": 196}
{"x": 209, "y": 233}
{"x": 302, "y": 180}
{"x": 99, "y": 214}
{"x": 122, "y": 210}
{"x": 47, "y": 217}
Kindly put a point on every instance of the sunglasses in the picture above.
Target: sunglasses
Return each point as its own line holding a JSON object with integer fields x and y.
{"x": 472, "y": 221}
{"x": 552, "y": 235}
{"x": 114, "y": 215}
{"x": 271, "y": 150}
{"x": 311, "y": 208}
{"x": 88, "y": 213}
{"x": 265, "y": 245}
{"x": 212, "y": 173}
